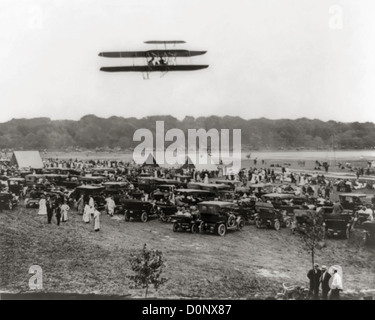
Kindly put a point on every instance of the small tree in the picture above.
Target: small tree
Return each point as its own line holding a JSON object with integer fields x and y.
{"x": 313, "y": 235}
{"x": 148, "y": 266}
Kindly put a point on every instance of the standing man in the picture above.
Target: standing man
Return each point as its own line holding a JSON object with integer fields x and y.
{"x": 50, "y": 206}
{"x": 314, "y": 277}
{"x": 58, "y": 211}
{"x": 336, "y": 285}
{"x": 324, "y": 280}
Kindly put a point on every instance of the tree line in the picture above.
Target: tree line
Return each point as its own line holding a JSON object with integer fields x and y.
{"x": 92, "y": 132}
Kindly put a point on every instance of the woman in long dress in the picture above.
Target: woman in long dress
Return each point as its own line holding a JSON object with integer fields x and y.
{"x": 96, "y": 220}
{"x": 64, "y": 212}
{"x": 42, "y": 206}
{"x": 86, "y": 213}
{"x": 80, "y": 205}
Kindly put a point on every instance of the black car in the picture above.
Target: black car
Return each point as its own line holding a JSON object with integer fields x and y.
{"x": 219, "y": 216}
{"x": 8, "y": 200}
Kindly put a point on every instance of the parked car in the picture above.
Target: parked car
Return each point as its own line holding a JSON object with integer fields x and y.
{"x": 193, "y": 196}
{"x": 186, "y": 222}
{"x": 267, "y": 215}
{"x": 218, "y": 217}
{"x": 90, "y": 190}
{"x": 352, "y": 201}
{"x": 338, "y": 224}
{"x": 8, "y": 200}
{"x": 369, "y": 232}
{"x": 137, "y": 209}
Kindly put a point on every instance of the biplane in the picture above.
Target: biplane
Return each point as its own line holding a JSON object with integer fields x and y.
{"x": 162, "y": 60}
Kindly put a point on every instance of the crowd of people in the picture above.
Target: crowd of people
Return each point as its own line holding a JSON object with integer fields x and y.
{"x": 329, "y": 281}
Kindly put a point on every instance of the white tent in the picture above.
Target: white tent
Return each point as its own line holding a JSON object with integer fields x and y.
{"x": 200, "y": 162}
{"x": 27, "y": 159}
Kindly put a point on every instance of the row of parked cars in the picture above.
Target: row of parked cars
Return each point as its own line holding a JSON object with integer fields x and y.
{"x": 219, "y": 204}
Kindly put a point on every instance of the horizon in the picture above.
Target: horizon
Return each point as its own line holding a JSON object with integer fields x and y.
{"x": 267, "y": 58}
{"x": 186, "y": 116}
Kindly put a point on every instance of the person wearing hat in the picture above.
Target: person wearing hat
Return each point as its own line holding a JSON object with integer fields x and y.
{"x": 42, "y": 205}
{"x": 336, "y": 285}
{"x": 314, "y": 277}
{"x": 324, "y": 280}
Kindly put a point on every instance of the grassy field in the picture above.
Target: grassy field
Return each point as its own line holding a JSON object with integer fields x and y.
{"x": 248, "y": 264}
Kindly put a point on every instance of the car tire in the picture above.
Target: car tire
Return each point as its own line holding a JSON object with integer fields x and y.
{"x": 240, "y": 223}
{"x": 276, "y": 225}
{"x": 144, "y": 217}
{"x": 258, "y": 223}
{"x": 201, "y": 227}
{"x": 365, "y": 239}
{"x": 163, "y": 217}
{"x": 175, "y": 227}
{"x": 194, "y": 228}
{"x": 347, "y": 233}
{"x": 221, "y": 229}
{"x": 127, "y": 216}
{"x": 288, "y": 223}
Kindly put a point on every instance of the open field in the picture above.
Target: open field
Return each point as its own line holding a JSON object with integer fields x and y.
{"x": 248, "y": 264}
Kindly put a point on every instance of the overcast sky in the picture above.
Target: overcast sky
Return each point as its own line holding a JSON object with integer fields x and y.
{"x": 267, "y": 58}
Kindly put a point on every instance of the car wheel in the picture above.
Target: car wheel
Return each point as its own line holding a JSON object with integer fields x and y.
{"x": 221, "y": 230}
{"x": 194, "y": 228}
{"x": 365, "y": 238}
{"x": 347, "y": 233}
{"x": 231, "y": 220}
{"x": 127, "y": 216}
{"x": 144, "y": 217}
{"x": 10, "y": 205}
{"x": 258, "y": 223}
{"x": 276, "y": 225}
{"x": 240, "y": 223}
{"x": 288, "y": 223}
{"x": 175, "y": 227}
{"x": 201, "y": 227}
{"x": 163, "y": 217}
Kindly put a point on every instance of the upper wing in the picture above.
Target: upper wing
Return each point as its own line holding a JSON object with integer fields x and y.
{"x": 151, "y": 53}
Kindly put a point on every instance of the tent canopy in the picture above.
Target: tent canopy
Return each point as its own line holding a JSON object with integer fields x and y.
{"x": 150, "y": 161}
{"x": 27, "y": 159}
{"x": 200, "y": 163}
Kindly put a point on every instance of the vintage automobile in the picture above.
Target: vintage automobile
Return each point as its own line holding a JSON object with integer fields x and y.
{"x": 163, "y": 191}
{"x": 15, "y": 185}
{"x": 115, "y": 187}
{"x": 267, "y": 215}
{"x": 233, "y": 184}
{"x": 33, "y": 197}
{"x": 369, "y": 232}
{"x": 352, "y": 201}
{"x": 304, "y": 218}
{"x": 282, "y": 202}
{"x": 137, "y": 209}
{"x": 338, "y": 224}
{"x": 165, "y": 211}
{"x": 34, "y": 179}
{"x": 260, "y": 189}
{"x": 91, "y": 180}
{"x": 186, "y": 222}
{"x": 246, "y": 208}
{"x": 90, "y": 190}
{"x": 191, "y": 197}
{"x": 218, "y": 217}
{"x": 8, "y": 200}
